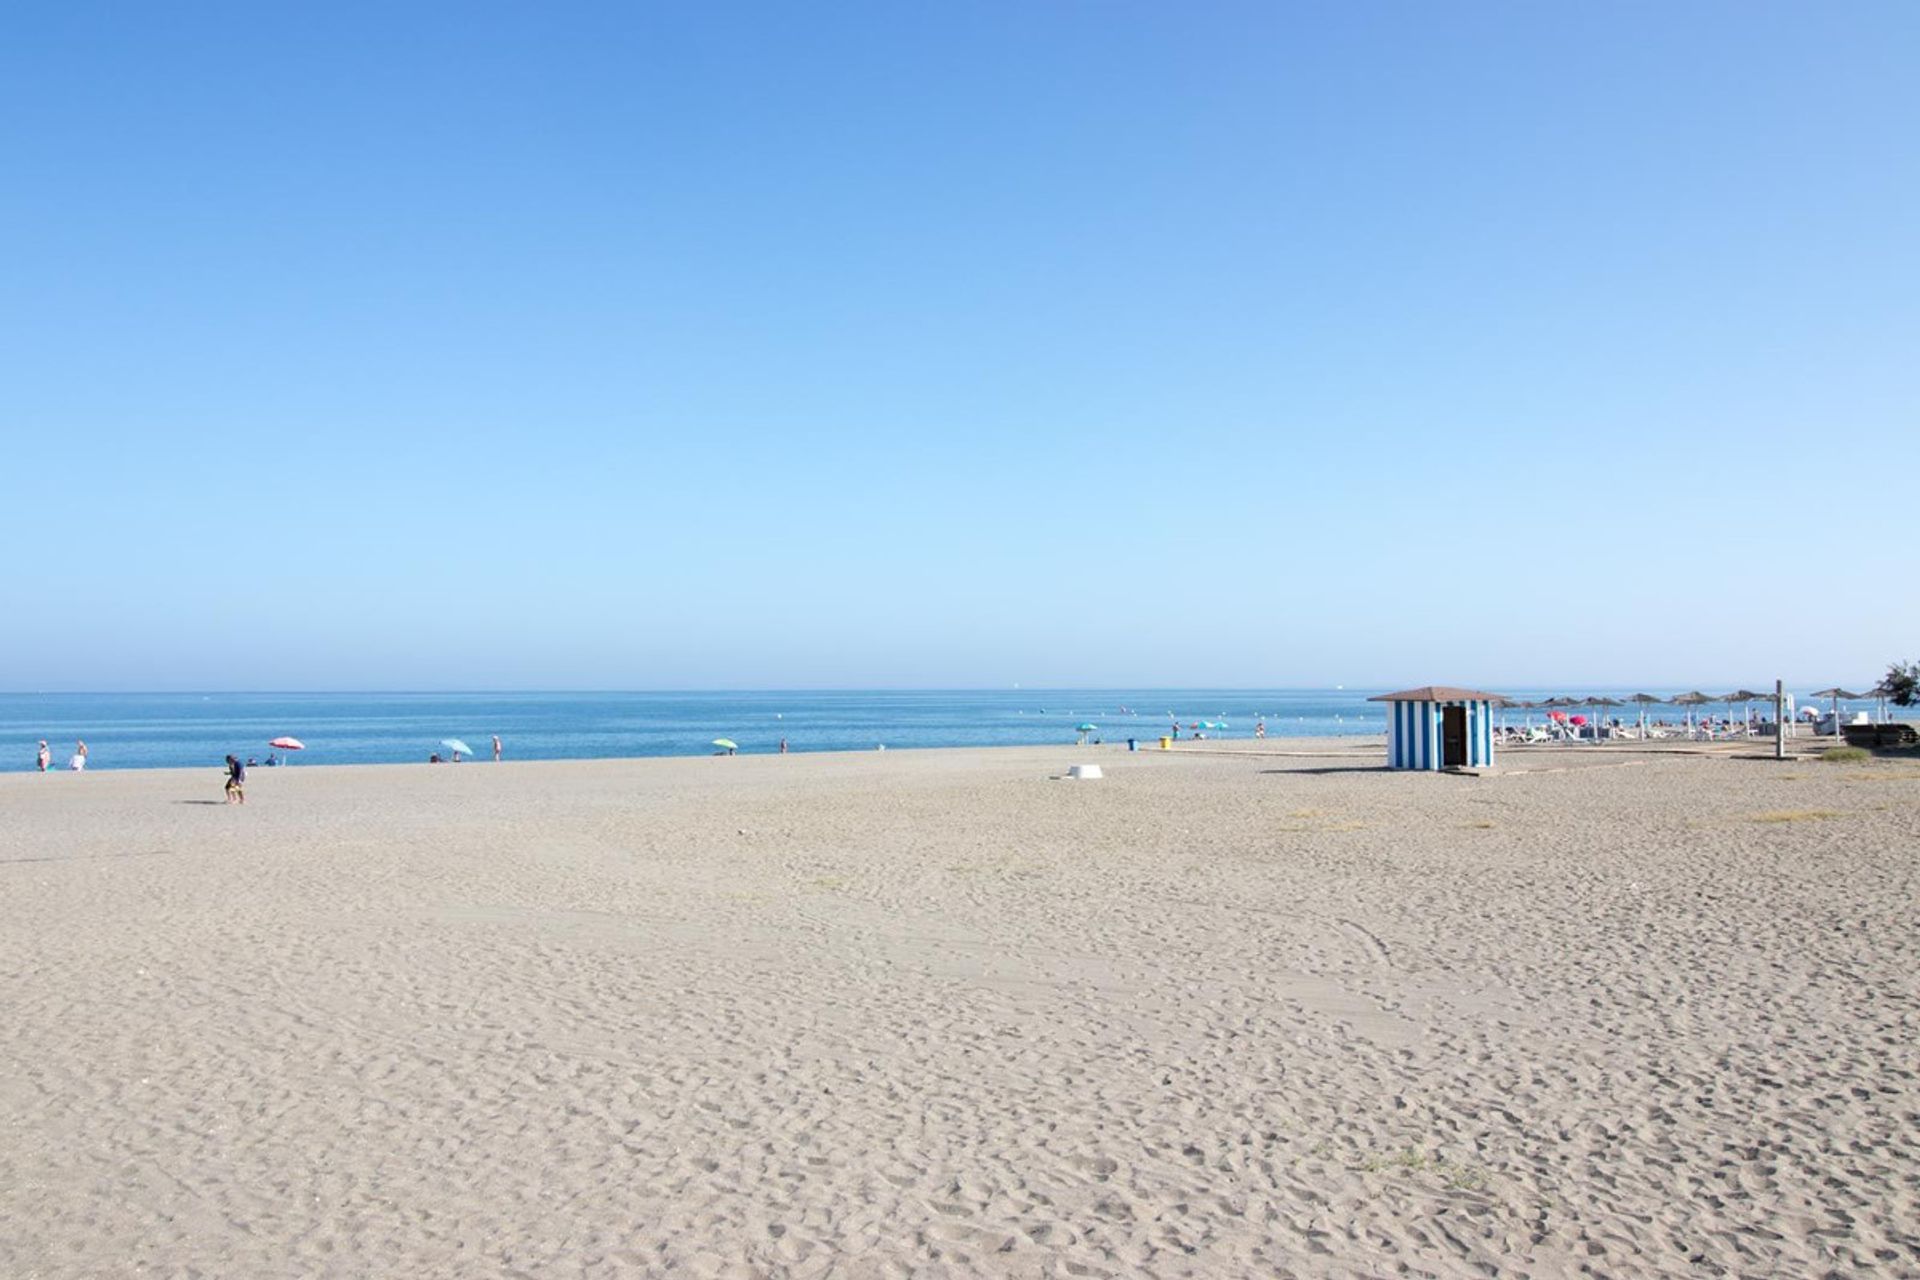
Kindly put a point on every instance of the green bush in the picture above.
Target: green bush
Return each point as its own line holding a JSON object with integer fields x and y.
{"x": 1846, "y": 755}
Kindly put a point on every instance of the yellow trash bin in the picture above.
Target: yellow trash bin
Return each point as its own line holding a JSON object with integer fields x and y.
{"x": 1166, "y": 743}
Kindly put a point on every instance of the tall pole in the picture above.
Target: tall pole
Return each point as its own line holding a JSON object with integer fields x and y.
{"x": 1779, "y": 720}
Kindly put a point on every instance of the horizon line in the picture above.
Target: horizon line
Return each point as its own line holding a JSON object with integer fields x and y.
{"x": 815, "y": 689}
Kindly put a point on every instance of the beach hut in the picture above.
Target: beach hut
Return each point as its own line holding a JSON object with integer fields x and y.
{"x": 1437, "y": 727}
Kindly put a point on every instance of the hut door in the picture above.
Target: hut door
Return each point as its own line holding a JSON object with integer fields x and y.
{"x": 1453, "y": 737}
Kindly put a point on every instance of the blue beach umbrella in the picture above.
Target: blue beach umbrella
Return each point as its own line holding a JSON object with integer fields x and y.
{"x": 456, "y": 746}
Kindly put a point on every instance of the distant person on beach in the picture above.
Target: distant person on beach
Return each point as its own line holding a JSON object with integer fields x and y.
{"x": 78, "y": 761}
{"x": 80, "y": 749}
{"x": 434, "y": 758}
{"x": 1260, "y": 729}
{"x": 236, "y": 781}
{"x": 496, "y": 748}
{"x": 45, "y": 757}
{"x": 783, "y": 746}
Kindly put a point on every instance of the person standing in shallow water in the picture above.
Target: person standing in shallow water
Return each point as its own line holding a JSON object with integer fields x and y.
{"x": 496, "y": 748}
{"x": 45, "y": 757}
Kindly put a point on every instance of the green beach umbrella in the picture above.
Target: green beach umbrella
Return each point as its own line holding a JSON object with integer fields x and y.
{"x": 726, "y": 744}
{"x": 456, "y": 746}
{"x": 1085, "y": 728}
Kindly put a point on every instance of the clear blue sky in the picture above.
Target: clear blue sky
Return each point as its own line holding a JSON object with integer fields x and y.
{"x": 650, "y": 346}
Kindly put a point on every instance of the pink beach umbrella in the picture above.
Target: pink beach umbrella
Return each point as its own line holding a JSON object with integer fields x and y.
{"x": 288, "y": 744}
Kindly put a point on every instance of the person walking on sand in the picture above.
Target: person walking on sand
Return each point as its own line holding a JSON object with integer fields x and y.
{"x": 236, "y": 781}
{"x": 45, "y": 757}
{"x": 496, "y": 748}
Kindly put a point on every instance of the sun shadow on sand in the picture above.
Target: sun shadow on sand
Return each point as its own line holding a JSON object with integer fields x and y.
{"x": 1334, "y": 768}
{"x": 215, "y": 802}
{"x": 89, "y": 857}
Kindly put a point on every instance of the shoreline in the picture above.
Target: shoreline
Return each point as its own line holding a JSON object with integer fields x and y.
{"x": 1274, "y": 746}
{"x": 1323, "y": 746}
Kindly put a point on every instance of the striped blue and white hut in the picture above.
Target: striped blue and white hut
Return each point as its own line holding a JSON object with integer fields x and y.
{"x": 1437, "y": 727}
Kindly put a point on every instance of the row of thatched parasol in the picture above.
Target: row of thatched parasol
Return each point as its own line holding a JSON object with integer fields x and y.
{"x": 1644, "y": 700}
{"x": 1879, "y": 693}
{"x": 1693, "y": 698}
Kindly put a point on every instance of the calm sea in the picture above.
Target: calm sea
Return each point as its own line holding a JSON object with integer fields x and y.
{"x": 146, "y": 730}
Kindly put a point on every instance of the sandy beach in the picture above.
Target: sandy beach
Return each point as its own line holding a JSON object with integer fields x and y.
{"x": 938, "y": 1014}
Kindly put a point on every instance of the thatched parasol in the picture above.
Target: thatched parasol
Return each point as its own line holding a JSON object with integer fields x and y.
{"x": 1645, "y": 700}
{"x": 1690, "y": 700}
{"x": 1602, "y": 701}
{"x": 1743, "y": 696}
{"x": 1837, "y": 693}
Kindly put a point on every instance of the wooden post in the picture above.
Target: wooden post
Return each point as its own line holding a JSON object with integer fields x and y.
{"x": 1779, "y": 720}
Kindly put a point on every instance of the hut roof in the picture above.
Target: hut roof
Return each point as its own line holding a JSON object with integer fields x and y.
{"x": 1438, "y": 693}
